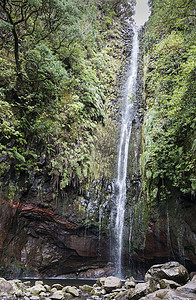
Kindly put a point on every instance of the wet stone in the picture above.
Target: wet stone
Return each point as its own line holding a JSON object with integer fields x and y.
{"x": 58, "y": 295}
{"x": 34, "y": 298}
{"x": 57, "y": 286}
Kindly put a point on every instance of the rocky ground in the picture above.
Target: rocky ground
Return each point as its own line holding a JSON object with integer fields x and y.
{"x": 164, "y": 281}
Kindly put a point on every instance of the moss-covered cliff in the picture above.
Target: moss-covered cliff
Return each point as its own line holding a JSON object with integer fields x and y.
{"x": 56, "y": 83}
{"x": 168, "y": 160}
{"x": 59, "y": 67}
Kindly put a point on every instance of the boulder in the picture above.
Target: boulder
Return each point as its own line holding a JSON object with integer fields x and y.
{"x": 156, "y": 295}
{"x": 86, "y": 288}
{"x": 170, "y": 270}
{"x": 39, "y": 282}
{"x": 34, "y": 297}
{"x": 5, "y": 286}
{"x": 57, "y": 286}
{"x": 27, "y": 283}
{"x": 72, "y": 290}
{"x": 67, "y": 296}
{"x": 58, "y": 295}
{"x": 17, "y": 283}
{"x": 37, "y": 289}
{"x": 166, "y": 284}
{"x": 189, "y": 288}
{"x": 98, "y": 291}
{"x": 130, "y": 283}
{"x": 43, "y": 294}
{"x": 19, "y": 293}
{"x": 18, "y": 287}
{"x": 47, "y": 287}
{"x": 110, "y": 283}
{"x": 121, "y": 296}
{"x": 140, "y": 290}
{"x": 167, "y": 294}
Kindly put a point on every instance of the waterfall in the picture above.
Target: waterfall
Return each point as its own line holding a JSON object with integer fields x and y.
{"x": 128, "y": 114}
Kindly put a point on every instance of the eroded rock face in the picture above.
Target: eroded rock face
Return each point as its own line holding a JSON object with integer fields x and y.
{"x": 98, "y": 272}
{"x": 44, "y": 243}
{"x": 170, "y": 237}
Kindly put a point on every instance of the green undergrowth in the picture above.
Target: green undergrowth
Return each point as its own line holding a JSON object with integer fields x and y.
{"x": 168, "y": 160}
{"x": 58, "y": 70}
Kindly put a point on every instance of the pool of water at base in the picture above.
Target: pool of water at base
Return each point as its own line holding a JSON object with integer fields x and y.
{"x": 63, "y": 281}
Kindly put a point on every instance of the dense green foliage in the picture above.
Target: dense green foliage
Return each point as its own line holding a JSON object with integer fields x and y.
{"x": 169, "y": 158}
{"x": 57, "y": 67}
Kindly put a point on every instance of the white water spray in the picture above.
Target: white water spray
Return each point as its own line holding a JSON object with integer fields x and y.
{"x": 128, "y": 115}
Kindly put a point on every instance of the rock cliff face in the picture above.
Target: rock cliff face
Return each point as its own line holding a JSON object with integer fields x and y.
{"x": 159, "y": 230}
{"x": 47, "y": 229}
{"x": 164, "y": 241}
{"x": 38, "y": 241}
{"x": 48, "y": 232}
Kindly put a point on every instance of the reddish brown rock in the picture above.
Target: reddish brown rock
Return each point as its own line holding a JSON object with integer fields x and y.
{"x": 43, "y": 243}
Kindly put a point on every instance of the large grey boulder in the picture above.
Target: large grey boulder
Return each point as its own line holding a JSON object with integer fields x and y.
{"x": 37, "y": 289}
{"x": 86, "y": 288}
{"x": 140, "y": 290}
{"x": 5, "y": 286}
{"x": 170, "y": 270}
{"x": 110, "y": 283}
{"x": 18, "y": 287}
{"x": 71, "y": 290}
{"x": 58, "y": 295}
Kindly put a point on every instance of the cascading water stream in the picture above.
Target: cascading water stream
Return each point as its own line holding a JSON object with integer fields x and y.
{"x": 128, "y": 114}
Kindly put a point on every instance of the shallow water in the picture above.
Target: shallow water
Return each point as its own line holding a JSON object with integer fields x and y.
{"x": 63, "y": 281}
